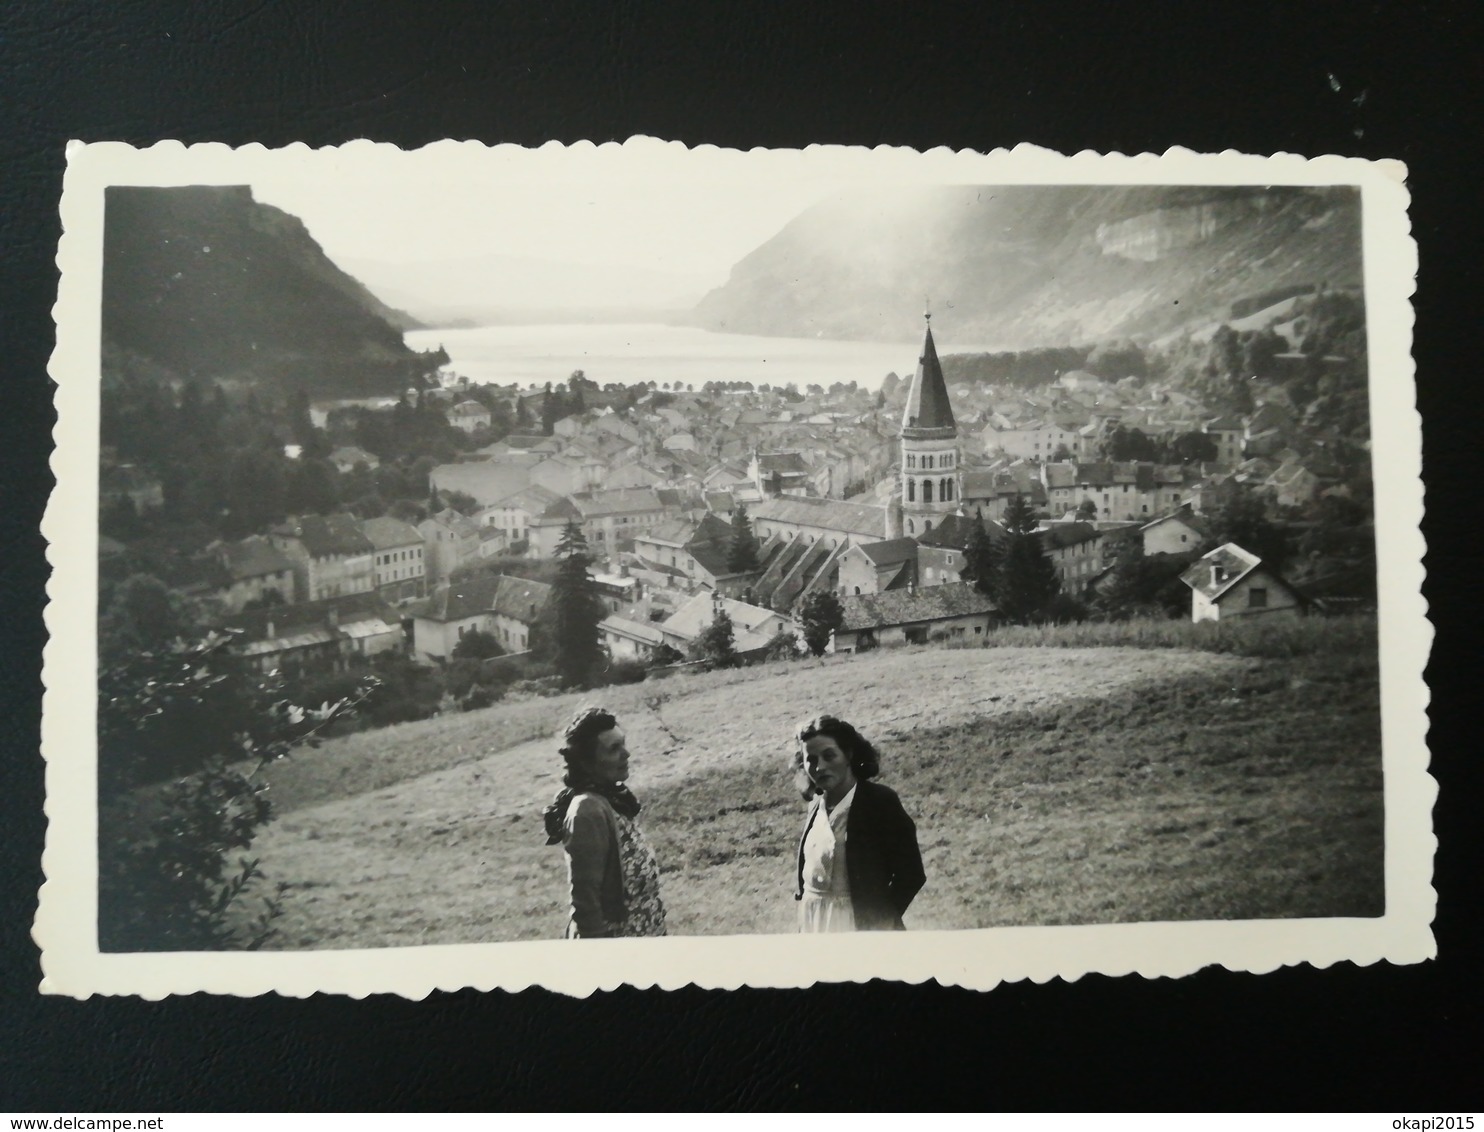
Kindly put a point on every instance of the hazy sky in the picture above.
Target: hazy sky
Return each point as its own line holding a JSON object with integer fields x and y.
{"x": 686, "y": 217}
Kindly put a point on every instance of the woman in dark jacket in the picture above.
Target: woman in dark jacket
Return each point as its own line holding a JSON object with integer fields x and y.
{"x": 612, "y": 875}
{"x": 858, "y": 862}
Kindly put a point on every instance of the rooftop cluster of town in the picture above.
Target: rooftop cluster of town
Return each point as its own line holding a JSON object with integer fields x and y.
{"x": 872, "y": 496}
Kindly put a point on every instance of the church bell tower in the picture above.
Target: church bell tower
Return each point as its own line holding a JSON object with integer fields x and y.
{"x": 929, "y": 443}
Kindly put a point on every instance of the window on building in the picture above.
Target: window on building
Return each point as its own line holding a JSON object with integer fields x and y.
{"x": 927, "y": 525}
{"x": 1257, "y": 598}
{"x": 857, "y": 589}
{"x": 911, "y": 527}
{"x": 927, "y": 462}
{"x": 927, "y": 491}
{"x": 911, "y": 491}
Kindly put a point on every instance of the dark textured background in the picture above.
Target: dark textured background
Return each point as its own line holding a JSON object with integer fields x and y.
{"x": 1109, "y": 76}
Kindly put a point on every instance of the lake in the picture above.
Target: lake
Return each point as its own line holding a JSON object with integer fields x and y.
{"x": 643, "y": 352}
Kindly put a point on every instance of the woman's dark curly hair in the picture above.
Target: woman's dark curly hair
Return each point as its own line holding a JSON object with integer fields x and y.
{"x": 580, "y": 738}
{"x": 864, "y": 759}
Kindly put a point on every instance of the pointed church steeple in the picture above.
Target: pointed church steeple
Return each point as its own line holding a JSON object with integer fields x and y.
{"x": 928, "y": 415}
{"x": 931, "y": 488}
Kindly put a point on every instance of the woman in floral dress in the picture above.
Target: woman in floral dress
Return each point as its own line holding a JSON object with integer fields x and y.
{"x": 611, "y": 871}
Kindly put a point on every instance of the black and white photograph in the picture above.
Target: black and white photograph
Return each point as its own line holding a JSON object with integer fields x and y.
{"x": 997, "y": 563}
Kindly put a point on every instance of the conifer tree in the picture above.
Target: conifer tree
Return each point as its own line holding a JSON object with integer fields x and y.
{"x": 742, "y": 551}
{"x": 979, "y": 557}
{"x": 1026, "y": 581}
{"x": 716, "y": 644}
{"x": 569, "y": 623}
{"x": 820, "y": 614}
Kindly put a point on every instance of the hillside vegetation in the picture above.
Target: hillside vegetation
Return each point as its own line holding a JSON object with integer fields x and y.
{"x": 1050, "y": 785}
{"x": 206, "y": 283}
{"x": 1021, "y": 266}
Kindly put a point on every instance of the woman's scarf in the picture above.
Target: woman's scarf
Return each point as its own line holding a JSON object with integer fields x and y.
{"x": 554, "y": 817}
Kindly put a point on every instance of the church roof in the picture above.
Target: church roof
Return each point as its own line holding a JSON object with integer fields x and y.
{"x": 928, "y": 415}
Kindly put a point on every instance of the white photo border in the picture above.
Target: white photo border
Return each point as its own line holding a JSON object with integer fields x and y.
{"x": 66, "y": 922}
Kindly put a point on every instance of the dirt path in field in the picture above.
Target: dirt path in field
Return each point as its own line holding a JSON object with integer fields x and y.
{"x": 458, "y": 855}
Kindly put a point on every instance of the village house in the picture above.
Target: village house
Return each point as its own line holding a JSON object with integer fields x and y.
{"x": 874, "y": 567}
{"x": 316, "y": 637}
{"x": 941, "y": 551}
{"x": 1126, "y": 491}
{"x": 484, "y": 481}
{"x": 616, "y": 590}
{"x": 616, "y": 515}
{"x": 520, "y": 448}
{"x": 1226, "y": 433}
{"x": 331, "y": 557}
{"x": 684, "y": 553}
{"x": 637, "y": 473}
{"x": 916, "y": 615}
{"x": 1076, "y": 550}
{"x": 1293, "y": 485}
{"x": 990, "y": 490}
{"x": 779, "y": 473}
{"x": 397, "y": 562}
{"x": 1037, "y": 439}
{"x": 450, "y": 539}
{"x": 347, "y": 459}
{"x": 569, "y": 472}
{"x": 626, "y": 639}
{"x": 532, "y": 515}
{"x": 681, "y": 441}
{"x": 1179, "y": 532}
{"x": 1230, "y": 582}
{"x": 753, "y": 627}
{"x": 469, "y": 416}
{"x": 506, "y": 608}
{"x": 255, "y": 570}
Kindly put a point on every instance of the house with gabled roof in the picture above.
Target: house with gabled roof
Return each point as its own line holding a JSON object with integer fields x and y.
{"x": 616, "y": 515}
{"x": 469, "y": 416}
{"x": 1076, "y": 550}
{"x": 397, "y": 562}
{"x": 990, "y": 490}
{"x": 1229, "y": 583}
{"x": 941, "y": 551}
{"x": 1226, "y": 433}
{"x": 753, "y": 627}
{"x": 874, "y": 567}
{"x": 316, "y": 636}
{"x": 1179, "y": 532}
{"x": 331, "y": 557}
{"x": 507, "y": 608}
{"x": 916, "y": 615}
{"x": 255, "y": 570}
{"x": 779, "y": 473}
{"x": 627, "y": 639}
{"x": 449, "y": 540}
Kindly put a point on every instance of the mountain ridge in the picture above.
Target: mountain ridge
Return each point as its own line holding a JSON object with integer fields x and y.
{"x": 1038, "y": 265}
{"x": 210, "y": 284}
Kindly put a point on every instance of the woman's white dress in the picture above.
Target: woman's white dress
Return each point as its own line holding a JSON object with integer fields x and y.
{"x": 825, "y": 905}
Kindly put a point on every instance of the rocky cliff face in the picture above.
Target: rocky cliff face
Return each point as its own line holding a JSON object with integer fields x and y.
{"x": 209, "y": 284}
{"x": 1019, "y": 266}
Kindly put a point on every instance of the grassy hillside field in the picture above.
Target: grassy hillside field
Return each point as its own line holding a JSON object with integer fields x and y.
{"x": 1050, "y": 785}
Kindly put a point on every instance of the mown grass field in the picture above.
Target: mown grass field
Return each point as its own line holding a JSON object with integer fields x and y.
{"x": 1050, "y": 785}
